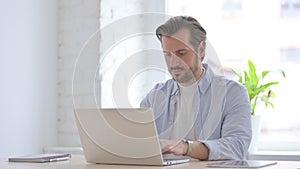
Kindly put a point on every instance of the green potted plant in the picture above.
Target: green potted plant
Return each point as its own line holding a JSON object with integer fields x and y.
{"x": 258, "y": 91}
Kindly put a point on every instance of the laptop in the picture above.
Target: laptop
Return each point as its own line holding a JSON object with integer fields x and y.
{"x": 121, "y": 136}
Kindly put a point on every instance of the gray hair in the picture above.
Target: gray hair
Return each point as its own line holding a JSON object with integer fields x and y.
{"x": 174, "y": 24}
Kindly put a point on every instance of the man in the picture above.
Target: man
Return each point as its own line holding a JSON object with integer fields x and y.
{"x": 198, "y": 113}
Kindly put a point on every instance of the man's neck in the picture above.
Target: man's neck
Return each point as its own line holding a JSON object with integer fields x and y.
{"x": 194, "y": 80}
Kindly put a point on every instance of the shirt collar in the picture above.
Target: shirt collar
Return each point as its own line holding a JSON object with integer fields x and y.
{"x": 205, "y": 81}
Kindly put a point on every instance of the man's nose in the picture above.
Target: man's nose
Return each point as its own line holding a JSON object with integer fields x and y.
{"x": 174, "y": 60}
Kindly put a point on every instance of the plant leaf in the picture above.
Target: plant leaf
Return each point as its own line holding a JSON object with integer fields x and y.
{"x": 268, "y": 103}
{"x": 264, "y": 73}
{"x": 269, "y": 84}
{"x": 252, "y": 73}
{"x": 283, "y": 73}
{"x": 238, "y": 75}
{"x": 246, "y": 77}
{"x": 264, "y": 87}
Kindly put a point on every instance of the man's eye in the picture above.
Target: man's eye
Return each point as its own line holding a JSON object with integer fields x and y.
{"x": 182, "y": 52}
{"x": 167, "y": 54}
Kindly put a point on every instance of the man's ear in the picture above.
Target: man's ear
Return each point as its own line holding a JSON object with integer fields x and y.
{"x": 201, "y": 49}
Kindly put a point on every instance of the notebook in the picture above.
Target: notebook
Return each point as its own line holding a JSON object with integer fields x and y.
{"x": 40, "y": 158}
{"x": 121, "y": 136}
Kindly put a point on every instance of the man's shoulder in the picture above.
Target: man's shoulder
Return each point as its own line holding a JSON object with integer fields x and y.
{"x": 229, "y": 84}
{"x": 219, "y": 78}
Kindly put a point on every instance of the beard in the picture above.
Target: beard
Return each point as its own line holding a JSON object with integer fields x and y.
{"x": 186, "y": 74}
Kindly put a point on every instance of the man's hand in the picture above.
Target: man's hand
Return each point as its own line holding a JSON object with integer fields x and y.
{"x": 174, "y": 147}
{"x": 199, "y": 150}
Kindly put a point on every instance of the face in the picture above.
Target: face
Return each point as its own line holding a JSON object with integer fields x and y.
{"x": 184, "y": 63}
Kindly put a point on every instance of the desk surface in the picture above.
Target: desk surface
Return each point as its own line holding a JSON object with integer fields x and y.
{"x": 78, "y": 162}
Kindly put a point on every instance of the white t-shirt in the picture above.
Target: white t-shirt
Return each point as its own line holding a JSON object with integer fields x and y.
{"x": 184, "y": 115}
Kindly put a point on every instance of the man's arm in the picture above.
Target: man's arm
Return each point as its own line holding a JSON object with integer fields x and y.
{"x": 199, "y": 150}
{"x": 233, "y": 139}
{"x": 236, "y": 130}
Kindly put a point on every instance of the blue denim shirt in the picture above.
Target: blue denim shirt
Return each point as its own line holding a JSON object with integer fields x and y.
{"x": 222, "y": 114}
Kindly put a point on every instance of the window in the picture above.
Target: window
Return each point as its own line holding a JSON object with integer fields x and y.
{"x": 232, "y": 8}
{"x": 290, "y": 8}
{"x": 127, "y": 48}
{"x": 290, "y": 55}
{"x": 281, "y": 126}
{"x": 275, "y": 45}
{"x": 271, "y": 46}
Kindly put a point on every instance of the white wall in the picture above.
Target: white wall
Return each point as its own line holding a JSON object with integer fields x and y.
{"x": 78, "y": 20}
{"x": 28, "y": 60}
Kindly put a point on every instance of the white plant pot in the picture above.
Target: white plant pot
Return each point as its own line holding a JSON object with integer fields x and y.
{"x": 256, "y": 126}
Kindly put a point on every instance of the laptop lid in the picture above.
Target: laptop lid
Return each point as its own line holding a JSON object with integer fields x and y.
{"x": 120, "y": 136}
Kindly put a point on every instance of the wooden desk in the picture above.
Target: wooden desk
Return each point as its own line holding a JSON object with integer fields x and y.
{"x": 78, "y": 162}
